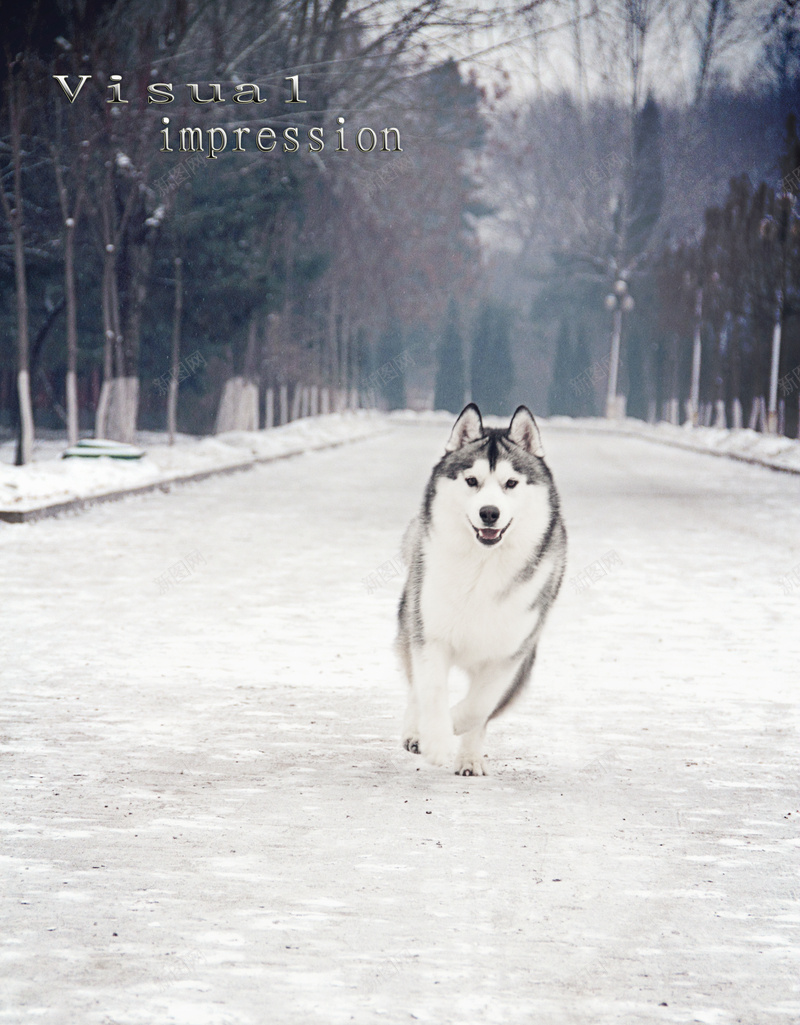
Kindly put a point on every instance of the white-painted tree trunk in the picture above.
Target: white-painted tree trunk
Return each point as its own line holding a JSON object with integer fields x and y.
{"x": 101, "y": 413}
{"x": 295, "y": 414}
{"x": 26, "y": 416}
{"x": 72, "y": 407}
{"x": 757, "y": 414}
{"x": 122, "y": 409}
{"x": 269, "y": 409}
{"x": 238, "y": 406}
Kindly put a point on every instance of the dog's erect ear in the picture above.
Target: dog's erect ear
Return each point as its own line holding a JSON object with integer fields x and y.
{"x": 524, "y": 432}
{"x": 468, "y": 427}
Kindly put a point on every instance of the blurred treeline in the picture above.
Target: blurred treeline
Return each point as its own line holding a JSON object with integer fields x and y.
{"x": 679, "y": 178}
{"x": 652, "y": 143}
{"x": 289, "y": 267}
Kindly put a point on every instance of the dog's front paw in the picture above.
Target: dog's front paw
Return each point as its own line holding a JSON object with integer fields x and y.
{"x": 470, "y": 765}
{"x": 411, "y": 744}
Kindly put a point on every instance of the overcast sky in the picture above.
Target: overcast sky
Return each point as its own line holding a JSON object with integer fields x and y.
{"x": 537, "y": 52}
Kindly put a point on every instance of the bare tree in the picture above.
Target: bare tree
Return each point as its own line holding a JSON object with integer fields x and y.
{"x": 172, "y": 397}
{"x": 15, "y": 103}
{"x": 71, "y": 210}
{"x": 716, "y": 28}
{"x": 781, "y": 29}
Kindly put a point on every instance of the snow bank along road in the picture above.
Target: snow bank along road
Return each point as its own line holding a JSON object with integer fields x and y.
{"x": 207, "y": 817}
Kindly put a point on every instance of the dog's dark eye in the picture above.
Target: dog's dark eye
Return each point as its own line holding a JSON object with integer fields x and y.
{"x": 511, "y": 483}
{"x": 472, "y": 482}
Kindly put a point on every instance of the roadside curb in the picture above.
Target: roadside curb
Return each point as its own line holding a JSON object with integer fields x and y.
{"x": 79, "y": 505}
{"x": 675, "y": 443}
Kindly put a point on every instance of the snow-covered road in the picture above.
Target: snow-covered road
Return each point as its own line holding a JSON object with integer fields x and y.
{"x": 207, "y": 817}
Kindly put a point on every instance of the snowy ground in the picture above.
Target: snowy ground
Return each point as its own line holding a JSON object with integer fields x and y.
{"x": 773, "y": 450}
{"x": 51, "y": 480}
{"x": 207, "y": 817}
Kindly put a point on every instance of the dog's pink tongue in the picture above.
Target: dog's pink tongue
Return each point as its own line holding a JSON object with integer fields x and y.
{"x": 489, "y": 533}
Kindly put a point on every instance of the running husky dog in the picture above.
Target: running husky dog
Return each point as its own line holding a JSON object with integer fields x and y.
{"x": 486, "y": 557}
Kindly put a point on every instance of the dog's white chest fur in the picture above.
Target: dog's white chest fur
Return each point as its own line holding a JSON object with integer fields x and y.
{"x": 467, "y": 601}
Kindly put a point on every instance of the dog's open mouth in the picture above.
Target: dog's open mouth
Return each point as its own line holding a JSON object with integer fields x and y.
{"x": 490, "y": 535}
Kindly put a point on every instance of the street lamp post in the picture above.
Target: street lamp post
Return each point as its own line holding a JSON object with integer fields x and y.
{"x": 616, "y": 301}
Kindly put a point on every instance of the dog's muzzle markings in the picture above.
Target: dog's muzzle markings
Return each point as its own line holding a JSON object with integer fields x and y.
{"x": 461, "y": 605}
{"x": 489, "y": 534}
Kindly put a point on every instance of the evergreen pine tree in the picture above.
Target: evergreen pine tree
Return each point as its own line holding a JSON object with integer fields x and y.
{"x": 582, "y": 396}
{"x": 646, "y": 191}
{"x": 645, "y": 202}
{"x": 391, "y": 382}
{"x": 492, "y": 366}
{"x": 450, "y": 365}
{"x": 789, "y": 160}
{"x": 561, "y": 392}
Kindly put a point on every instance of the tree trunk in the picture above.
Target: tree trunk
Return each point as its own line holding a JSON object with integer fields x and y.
{"x": 296, "y": 394}
{"x": 238, "y": 408}
{"x": 758, "y": 414}
{"x": 127, "y": 250}
{"x": 332, "y": 336}
{"x": 172, "y": 398}
{"x": 110, "y": 335}
{"x": 70, "y": 292}
{"x": 123, "y": 405}
{"x": 25, "y": 453}
{"x": 269, "y": 409}
{"x": 72, "y": 332}
{"x": 14, "y": 216}
{"x": 346, "y": 343}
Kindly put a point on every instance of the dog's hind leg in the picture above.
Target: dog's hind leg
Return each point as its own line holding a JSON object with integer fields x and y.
{"x": 411, "y": 723}
{"x": 410, "y": 735}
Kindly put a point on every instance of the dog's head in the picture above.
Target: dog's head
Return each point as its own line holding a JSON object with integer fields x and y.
{"x": 493, "y": 482}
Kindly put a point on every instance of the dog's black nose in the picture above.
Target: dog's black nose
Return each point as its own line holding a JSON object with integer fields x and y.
{"x": 490, "y": 514}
